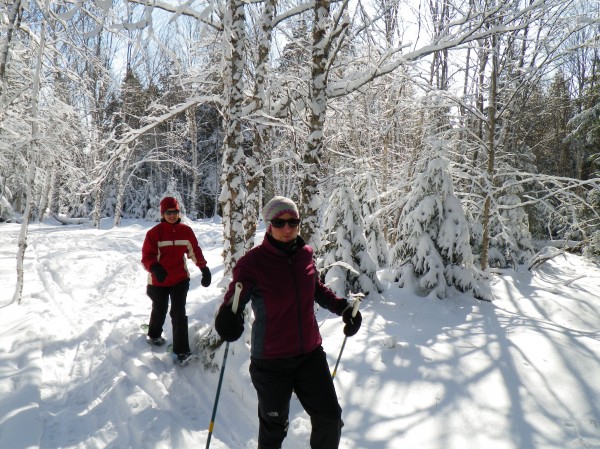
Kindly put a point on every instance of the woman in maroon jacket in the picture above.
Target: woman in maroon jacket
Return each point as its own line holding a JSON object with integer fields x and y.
{"x": 280, "y": 278}
{"x": 164, "y": 256}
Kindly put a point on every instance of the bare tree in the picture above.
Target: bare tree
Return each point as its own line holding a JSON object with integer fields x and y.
{"x": 232, "y": 196}
{"x": 32, "y": 155}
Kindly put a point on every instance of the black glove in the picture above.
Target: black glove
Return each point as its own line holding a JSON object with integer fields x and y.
{"x": 158, "y": 271}
{"x": 352, "y": 322}
{"x": 229, "y": 325}
{"x": 206, "y": 277}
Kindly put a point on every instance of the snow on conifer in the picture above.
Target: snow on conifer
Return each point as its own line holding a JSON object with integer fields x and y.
{"x": 346, "y": 261}
{"x": 6, "y": 210}
{"x": 368, "y": 197}
{"x": 433, "y": 249}
{"x": 153, "y": 213}
{"x": 510, "y": 242}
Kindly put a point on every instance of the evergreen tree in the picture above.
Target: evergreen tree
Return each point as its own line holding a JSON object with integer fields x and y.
{"x": 153, "y": 213}
{"x": 346, "y": 262}
{"x": 368, "y": 198}
{"x": 433, "y": 249}
{"x": 6, "y": 210}
{"x": 510, "y": 239}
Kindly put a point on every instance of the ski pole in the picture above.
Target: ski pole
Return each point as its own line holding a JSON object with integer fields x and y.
{"x": 354, "y": 310}
{"x": 234, "y": 307}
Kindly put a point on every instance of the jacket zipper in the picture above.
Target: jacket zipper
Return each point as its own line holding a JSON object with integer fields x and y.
{"x": 298, "y": 304}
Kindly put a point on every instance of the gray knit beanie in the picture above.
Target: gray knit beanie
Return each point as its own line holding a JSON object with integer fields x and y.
{"x": 278, "y": 206}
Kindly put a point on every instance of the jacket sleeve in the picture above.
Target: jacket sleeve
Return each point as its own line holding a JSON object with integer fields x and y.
{"x": 149, "y": 250}
{"x": 195, "y": 253}
{"x": 241, "y": 273}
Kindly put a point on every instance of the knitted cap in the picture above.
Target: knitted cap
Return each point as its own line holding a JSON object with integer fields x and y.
{"x": 168, "y": 202}
{"x": 278, "y": 206}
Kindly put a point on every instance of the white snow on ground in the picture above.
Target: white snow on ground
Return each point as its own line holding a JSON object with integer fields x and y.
{"x": 422, "y": 373}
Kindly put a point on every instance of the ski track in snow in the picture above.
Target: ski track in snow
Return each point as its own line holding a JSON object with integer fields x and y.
{"x": 90, "y": 383}
{"x": 102, "y": 385}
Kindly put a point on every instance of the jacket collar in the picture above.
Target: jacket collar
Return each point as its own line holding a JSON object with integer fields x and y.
{"x": 162, "y": 220}
{"x": 281, "y": 248}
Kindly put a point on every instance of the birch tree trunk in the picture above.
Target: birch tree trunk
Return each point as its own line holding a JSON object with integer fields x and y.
{"x": 255, "y": 163}
{"x": 13, "y": 17}
{"x": 313, "y": 154}
{"x": 232, "y": 197}
{"x": 193, "y": 135}
{"x": 31, "y": 168}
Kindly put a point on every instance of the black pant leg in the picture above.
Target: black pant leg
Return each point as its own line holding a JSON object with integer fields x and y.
{"x": 179, "y": 319}
{"x": 160, "y": 306}
{"x": 316, "y": 392}
{"x": 273, "y": 381}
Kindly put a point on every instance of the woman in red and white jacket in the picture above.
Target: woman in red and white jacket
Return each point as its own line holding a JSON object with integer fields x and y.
{"x": 164, "y": 253}
{"x": 280, "y": 279}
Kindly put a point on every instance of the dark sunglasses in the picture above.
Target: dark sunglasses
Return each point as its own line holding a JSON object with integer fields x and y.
{"x": 171, "y": 212}
{"x": 280, "y": 223}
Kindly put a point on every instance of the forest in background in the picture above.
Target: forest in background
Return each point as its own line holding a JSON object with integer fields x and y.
{"x": 437, "y": 138}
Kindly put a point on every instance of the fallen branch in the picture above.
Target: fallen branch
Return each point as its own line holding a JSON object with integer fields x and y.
{"x": 546, "y": 254}
{"x": 70, "y": 221}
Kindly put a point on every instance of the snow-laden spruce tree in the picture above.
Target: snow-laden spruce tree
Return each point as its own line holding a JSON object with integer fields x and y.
{"x": 368, "y": 198}
{"x": 6, "y": 211}
{"x": 588, "y": 214}
{"x": 510, "y": 238}
{"x": 433, "y": 250}
{"x": 346, "y": 261}
{"x": 153, "y": 213}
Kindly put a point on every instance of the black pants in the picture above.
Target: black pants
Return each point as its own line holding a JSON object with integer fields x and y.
{"x": 179, "y": 320}
{"x": 309, "y": 377}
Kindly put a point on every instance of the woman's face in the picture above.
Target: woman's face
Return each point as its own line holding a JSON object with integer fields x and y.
{"x": 171, "y": 216}
{"x": 287, "y": 233}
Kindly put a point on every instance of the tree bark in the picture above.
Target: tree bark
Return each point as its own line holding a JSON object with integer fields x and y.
{"x": 31, "y": 168}
{"x": 233, "y": 164}
{"x": 13, "y": 18}
{"x": 255, "y": 162}
{"x": 309, "y": 179}
{"x": 193, "y": 136}
{"x": 491, "y": 153}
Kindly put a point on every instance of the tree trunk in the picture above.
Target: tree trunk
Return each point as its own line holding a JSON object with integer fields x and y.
{"x": 491, "y": 150}
{"x": 255, "y": 163}
{"x": 120, "y": 191}
{"x": 13, "y": 18}
{"x": 233, "y": 164}
{"x": 31, "y": 168}
{"x": 309, "y": 179}
{"x": 98, "y": 196}
{"x": 193, "y": 135}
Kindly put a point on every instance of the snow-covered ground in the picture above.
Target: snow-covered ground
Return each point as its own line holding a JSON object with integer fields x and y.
{"x": 76, "y": 372}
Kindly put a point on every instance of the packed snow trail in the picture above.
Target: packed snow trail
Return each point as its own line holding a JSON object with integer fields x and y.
{"x": 99, "y": 376}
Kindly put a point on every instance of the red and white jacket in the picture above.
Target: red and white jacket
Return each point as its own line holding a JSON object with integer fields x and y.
{"x": 169, "y": 244}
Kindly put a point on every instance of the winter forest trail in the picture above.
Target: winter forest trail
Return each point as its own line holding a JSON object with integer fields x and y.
{"x": 101, "y": 385}
{"x": 99, "y": 378}
{"x": 77, "y": 373}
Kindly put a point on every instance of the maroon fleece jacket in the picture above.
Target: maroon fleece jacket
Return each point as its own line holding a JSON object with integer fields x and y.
{"x": 283, "y": 289}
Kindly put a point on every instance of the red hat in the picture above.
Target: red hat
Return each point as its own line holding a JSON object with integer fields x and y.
{"x": 168, "y": 202}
